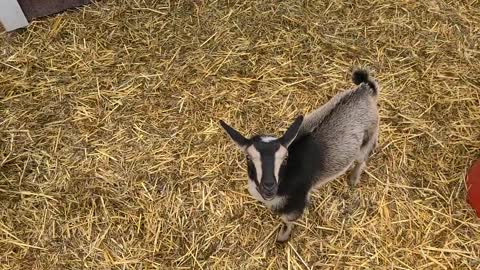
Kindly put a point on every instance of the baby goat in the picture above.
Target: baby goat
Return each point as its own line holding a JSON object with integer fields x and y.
{"x": 313, "y": 151}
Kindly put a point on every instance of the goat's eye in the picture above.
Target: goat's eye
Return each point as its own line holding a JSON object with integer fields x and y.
{"x": 284, "y": 162}
{"x": 249, "y": 158}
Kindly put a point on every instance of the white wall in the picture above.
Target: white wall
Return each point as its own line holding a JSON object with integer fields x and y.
{"x": 11, "y": 15}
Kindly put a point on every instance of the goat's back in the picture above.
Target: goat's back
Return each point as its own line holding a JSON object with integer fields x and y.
{"x": 339, "y": 129}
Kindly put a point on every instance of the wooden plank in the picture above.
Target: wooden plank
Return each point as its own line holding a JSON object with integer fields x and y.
{"x": 11, "y": 15}
{"x": 40, "y": 8}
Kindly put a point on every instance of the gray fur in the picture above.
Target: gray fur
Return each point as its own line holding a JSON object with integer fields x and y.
{"x": 347, "y": 126}
{"x": 347, "y": 129}
{"x": 321, "y": 146}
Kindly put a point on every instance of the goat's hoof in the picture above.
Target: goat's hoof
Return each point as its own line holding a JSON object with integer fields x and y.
{"x": 283, "y": 235}
{"x": 353, "y": 182}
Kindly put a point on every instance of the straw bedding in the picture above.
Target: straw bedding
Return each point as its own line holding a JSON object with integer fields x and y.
{"x": 112, "y": 158}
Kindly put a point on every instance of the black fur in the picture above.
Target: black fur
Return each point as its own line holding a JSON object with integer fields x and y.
{"x": 360, "y": 76}
{"x": 305, "y": 155}
{"x": 268, "y": 159}
{"x": 291, "y": 132}
{"x": 237, "y": 137}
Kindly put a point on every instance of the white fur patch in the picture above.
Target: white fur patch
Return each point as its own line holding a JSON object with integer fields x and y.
{"x": 275, "y": 203}
{"x": 252, "y": 189}
{"x": 268, "y": 139}
{"x": 280, "y": 155}
{"x": 256, "y": 159}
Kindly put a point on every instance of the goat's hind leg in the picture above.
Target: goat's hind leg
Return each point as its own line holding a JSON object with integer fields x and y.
{"x": 354, "y": 177}
{"x": 362, "y": 158}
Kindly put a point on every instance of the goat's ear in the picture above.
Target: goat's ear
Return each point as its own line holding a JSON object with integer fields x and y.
{"x": 291, "y": 132}
{"x": 239, "y": 140}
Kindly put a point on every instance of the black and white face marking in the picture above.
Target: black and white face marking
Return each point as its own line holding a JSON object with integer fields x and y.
{"x": 266, "y": 156}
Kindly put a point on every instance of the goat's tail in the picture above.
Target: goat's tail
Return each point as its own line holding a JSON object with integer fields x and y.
{"x": 363, "y": 76}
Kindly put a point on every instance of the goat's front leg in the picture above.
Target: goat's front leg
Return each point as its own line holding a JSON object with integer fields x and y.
{"x": 291, "y": 211}
{"x": 288, "y": 218}
{"x": 286, "y": 229}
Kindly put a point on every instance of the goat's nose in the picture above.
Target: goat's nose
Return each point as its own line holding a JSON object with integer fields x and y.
{"x": 269, "y": 186}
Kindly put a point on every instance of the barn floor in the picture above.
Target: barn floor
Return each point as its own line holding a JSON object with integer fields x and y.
{"x": 111, "y": 156}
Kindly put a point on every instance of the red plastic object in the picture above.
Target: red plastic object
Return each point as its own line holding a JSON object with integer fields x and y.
{"x": 473, "y": 187}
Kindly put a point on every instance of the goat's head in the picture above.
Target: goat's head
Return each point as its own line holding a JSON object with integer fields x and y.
{"x": 266, "y": 156}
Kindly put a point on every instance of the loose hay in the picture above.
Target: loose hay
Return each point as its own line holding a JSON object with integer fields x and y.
{"x": 111, "y": 156}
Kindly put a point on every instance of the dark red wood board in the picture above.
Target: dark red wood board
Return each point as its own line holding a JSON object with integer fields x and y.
{"x": 473, "y": 186}
{"x": 41, "y": 8}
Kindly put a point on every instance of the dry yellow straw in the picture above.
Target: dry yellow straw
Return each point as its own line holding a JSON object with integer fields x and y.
{"x": 111, "y": 156}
